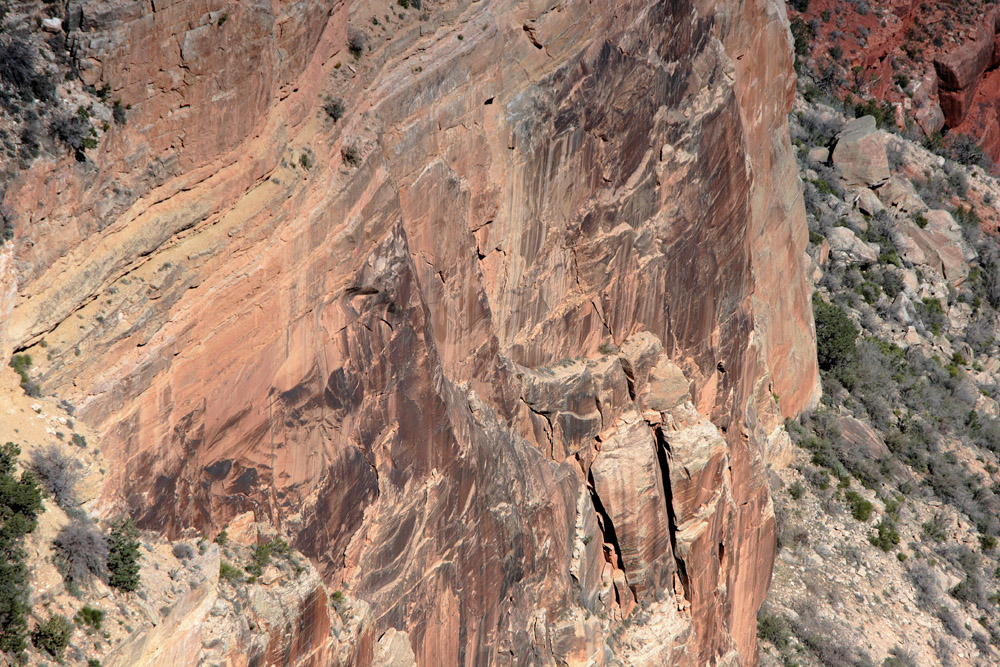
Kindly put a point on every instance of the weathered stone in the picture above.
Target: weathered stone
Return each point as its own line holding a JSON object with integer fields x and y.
{"x": 868, "y": 202}
{"x": 819, "y": 154}
{"x": 667, "y": 386}
{"x": 849, "y": 249}
{"x": 930, "y": 118}
{"x": 960, "y": 69}
{"x": 898, "y": 193}
{"x": 629, "y": 482}
{"x": 859, "y": 155}
{"x": 862, "y": 438}
{"x": 942, "y": 245}
{"x": 393, "y": 650}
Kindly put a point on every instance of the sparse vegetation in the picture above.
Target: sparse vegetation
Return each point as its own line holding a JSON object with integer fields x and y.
{"x": 81, "y": 551}
{"x": 183, "y": 551}
{"x": 334, "y": 108}
{"x": 230, "y": 572}
{"x": 75, "y": 131}
{"x": 90, "y": 617}
{"x": 20, "y": 504}
{"x": 357, "y": 41}
{"x": 19, "y": 73}
{"x": 59, "y": 473}
{"x": 351, "y": 154}
{"x": 118, "y": 113}
{"x": 52, "y": 635}
{"x": 21, "y": 363}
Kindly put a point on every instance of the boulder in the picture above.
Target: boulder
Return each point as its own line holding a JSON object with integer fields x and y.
{"x": 394, "y": 650}
{"x": 862, "y": 438}
{"x": 960, "y": 69}
{"x": 909, "y": 250}
{"x": 898, "y": 193}
{"x": 902, "y": 309}
{"x": 859, "y": 156}
{"x": 930, "y": 118}
{"x": 941, "y": 242}
{"x": 868, "y": 202}
{"x": 819, "y": 154}
{"x": 848, "y": 248}
{"x": 53, "y": 24}
{"x": 928, "y": 112}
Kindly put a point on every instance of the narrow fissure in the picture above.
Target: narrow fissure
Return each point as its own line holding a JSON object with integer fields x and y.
{"x": 662, "y": 447}
{"x": 607, "y": 526}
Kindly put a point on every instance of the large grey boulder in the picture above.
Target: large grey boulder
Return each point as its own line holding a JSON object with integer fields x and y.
{"x": 849, "y": 249}
{"x": 859, "y": 156}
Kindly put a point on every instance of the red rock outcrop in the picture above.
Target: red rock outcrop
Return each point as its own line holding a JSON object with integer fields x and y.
{"x": 498, "y": 347}
{"x": 960, "y": 72}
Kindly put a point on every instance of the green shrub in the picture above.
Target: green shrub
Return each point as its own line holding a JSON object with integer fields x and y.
{"x": 21, "y": 363}
{"x": 90, "y": 617}
{"x": 123, "y": 555}
{"x": 52, "y": 636}
{"x": 222, "y": 538}
{"x": 885, "y": 536}
{"x": 823, "y": 187}
{"x": 934, "y": 529}
{"x": 931, "y": 313}
{"x": 118, "y": 112}
{"x": 921, "y": 220}
{"x": 836, "y": 336}
{"x": 774, "y": 629}
{"x": 861, "y": 509}
{"x": 802, "y": 36}
{"x": 261, "y": 558}
{"x": 229, "y": 572}
{"x": 988, "y": 542}
{"x": 884, "y": 113}
{"x": 796, "y": 490}
{"x": 20, "y": 504}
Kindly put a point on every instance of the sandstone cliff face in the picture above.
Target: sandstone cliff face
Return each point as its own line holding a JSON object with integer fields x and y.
{"x": 499, "y": 346}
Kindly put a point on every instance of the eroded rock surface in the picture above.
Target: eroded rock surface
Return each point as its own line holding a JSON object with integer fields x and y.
{"x": 499, "y": 347}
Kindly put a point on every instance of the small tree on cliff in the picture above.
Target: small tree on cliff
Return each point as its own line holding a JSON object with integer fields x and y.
{"x": 836, "y": 337}
{"x": 123, "y": 555}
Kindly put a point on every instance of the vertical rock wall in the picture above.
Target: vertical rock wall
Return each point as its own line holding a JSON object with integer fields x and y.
{"x": 497, "y": 348}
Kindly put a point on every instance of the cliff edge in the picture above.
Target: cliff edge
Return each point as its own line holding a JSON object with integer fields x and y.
{"x": 496, "y": 308}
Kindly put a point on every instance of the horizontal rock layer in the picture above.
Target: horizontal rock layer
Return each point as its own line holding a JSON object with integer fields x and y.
{"x": 498, "y": 347}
